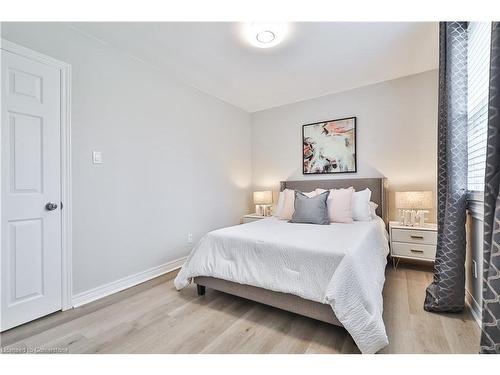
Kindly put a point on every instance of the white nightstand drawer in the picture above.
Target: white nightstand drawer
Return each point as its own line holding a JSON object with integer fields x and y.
{"x": 414, "y": 250}
{"x": 414, "y": 236}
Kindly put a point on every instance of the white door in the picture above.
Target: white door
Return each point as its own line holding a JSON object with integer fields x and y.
{"x": 31, "y": 189}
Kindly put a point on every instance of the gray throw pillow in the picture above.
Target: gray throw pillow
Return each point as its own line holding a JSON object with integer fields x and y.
{"x": 311, "y": 210}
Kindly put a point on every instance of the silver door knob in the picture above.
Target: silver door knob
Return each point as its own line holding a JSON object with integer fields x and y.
{"x": 51, "y": 206}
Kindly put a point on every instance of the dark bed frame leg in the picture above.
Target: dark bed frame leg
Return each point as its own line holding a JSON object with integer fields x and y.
{"x": 200, "y": 289}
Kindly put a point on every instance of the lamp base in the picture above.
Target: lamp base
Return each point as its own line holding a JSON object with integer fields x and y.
{"x": 407, "y": 217}
{"x": 262, "y": 209}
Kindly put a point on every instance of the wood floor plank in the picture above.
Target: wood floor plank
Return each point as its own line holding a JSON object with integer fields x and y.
{"x": 397, "y": 312}
{"x": 155, "y": 318}
{"x": 58, "y": 318}
{"x": 461, "y": 332}
{"x": 328, "y": 339}
{"x": 191, "y": 331}
{"x": 151, "y": 338}
{"x": 256, "y": 331}
{"x": 109, "y": 316}
{"x": 297, "y": 338}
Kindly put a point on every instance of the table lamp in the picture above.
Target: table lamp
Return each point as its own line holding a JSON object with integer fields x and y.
{"x": 262, "y": 201}
{"x": 412, "y": 206}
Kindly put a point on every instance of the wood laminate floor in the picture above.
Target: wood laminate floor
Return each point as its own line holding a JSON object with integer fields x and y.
{"x": 154, "y": 318}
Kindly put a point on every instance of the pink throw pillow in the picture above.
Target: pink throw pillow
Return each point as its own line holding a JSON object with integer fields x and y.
{"x": 339, "y": 205}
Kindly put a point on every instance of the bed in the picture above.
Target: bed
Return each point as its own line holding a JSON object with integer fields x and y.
{"x": 334, "y": 273}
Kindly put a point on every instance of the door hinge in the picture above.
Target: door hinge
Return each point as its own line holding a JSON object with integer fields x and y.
{"x": 61, "y": 205}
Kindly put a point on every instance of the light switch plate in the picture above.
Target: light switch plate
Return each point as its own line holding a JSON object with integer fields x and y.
{"x": 97, "y": 157}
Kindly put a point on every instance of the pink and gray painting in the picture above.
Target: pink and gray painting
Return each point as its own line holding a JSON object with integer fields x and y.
{"x": 329, "y": 147}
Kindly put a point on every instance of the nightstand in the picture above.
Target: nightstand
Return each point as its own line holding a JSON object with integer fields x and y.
{"x": 416, "y": 243}
{"x": 251, "y": 217}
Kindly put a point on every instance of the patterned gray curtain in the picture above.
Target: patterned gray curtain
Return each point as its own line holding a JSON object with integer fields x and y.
{"x": 490, "y": 338}
{"x": 447, "y": 291}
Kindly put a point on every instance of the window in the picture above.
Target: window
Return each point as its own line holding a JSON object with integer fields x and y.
{"x": 478, "y": 69}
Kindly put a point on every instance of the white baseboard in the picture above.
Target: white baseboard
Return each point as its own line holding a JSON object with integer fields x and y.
{"x": 474, "y": 307}
{"x": 125, "y": 283}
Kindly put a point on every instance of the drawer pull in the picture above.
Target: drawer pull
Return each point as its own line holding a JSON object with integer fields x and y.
{"x": 417, "y": 251}
{"x": 417, "y": 237}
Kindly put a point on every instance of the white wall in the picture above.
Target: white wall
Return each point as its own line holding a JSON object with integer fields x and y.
{"x": 396, "y": 134}
{"x": 175, "y": 160}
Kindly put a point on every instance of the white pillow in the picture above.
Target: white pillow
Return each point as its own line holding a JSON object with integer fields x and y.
{"x": 361, "y": 209}
{"x": 285, "y": 210}
{"x": 373, "y": 208}
{"x": 279, "y": 205}
{"x": 311, "y": 194}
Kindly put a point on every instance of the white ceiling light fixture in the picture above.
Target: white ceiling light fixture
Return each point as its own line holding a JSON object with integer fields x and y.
{"x": 265, "y": 35}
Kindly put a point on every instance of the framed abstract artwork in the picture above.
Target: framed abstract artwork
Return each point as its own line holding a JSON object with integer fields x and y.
{"x": 329, "y": 147}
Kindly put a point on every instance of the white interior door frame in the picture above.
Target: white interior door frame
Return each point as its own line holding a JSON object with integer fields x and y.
{"x": 66, "y": 226}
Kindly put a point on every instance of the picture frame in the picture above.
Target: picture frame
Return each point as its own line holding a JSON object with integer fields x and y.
{"x": 329, "y": 147}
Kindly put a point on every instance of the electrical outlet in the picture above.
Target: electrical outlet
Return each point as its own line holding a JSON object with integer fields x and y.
{"x": 474, "y": 268}
{"x": 190, "y": 237}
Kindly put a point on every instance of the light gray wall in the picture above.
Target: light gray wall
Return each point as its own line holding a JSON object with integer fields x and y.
{"x": 396, "y": 134}
{"x": 175, "y": 160}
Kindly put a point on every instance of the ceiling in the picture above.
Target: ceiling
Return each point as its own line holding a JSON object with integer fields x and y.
{"x": 315, "y": 59}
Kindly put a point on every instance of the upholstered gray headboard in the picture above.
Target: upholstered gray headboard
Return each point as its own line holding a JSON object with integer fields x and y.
{"x": 378, "y": 186}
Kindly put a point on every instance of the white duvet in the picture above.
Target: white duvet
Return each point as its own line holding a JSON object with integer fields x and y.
{"x": 339, "y": 264}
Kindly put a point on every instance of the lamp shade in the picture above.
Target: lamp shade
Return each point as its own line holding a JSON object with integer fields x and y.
{"x": 262, "y": 197}
{"x": 416, "y": 200}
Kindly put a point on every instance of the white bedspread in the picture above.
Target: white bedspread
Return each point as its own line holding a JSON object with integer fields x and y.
{"x": 339, "y": 264}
